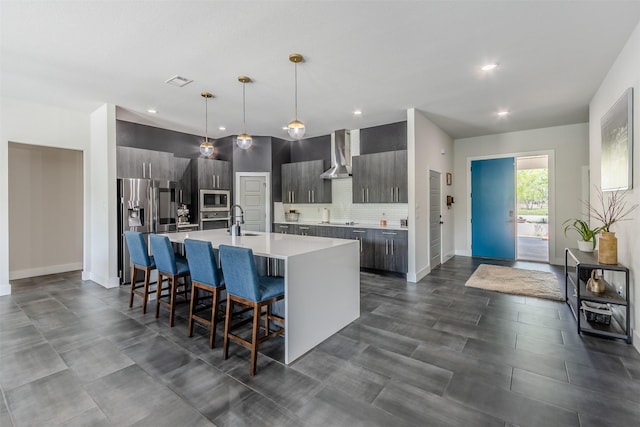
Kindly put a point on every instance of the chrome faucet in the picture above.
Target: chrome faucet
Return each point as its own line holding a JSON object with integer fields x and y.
{"x": 233, "y": 214}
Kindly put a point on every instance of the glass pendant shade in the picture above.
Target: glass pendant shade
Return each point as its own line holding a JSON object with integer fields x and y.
{"x": 206, "y": 148}
{"x": 244, "y": 141}
{"x": 296, "y": 129}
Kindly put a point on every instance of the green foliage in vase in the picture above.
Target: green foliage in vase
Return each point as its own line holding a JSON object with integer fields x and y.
{"x": 585, "y": 232}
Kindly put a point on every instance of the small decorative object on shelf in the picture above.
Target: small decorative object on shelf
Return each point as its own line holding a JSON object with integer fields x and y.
{"x": 595, "y": 284}
{"x": 596, "y": 303}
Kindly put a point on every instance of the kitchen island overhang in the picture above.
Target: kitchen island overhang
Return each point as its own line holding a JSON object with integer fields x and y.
{"x": 322, "y": 281}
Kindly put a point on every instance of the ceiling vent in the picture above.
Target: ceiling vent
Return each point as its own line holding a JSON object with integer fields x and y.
{"x": 178, "y": 81}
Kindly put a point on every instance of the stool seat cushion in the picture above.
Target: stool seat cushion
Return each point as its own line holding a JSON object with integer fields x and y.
{"x": 138, "y": 250}
{"x": 270, "y": 287}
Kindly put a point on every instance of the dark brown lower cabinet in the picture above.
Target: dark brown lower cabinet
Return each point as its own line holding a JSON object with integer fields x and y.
{"x": 380, "y": 249}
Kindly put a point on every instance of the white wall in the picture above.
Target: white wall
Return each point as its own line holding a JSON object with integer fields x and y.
{"x": 101, "y": 261}
{"x": 45, "y": 210}
{"x": 425, "y": 144}
{"x": 30, "y": 123}
{"x": 567, "y": 147}
{"x": 624, "y": 73}
{"x": 94, "y": 135}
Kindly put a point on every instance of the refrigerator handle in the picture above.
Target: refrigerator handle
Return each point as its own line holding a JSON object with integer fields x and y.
{"x": 154, "y": 210}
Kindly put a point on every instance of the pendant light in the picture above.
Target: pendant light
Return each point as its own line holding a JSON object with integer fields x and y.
{"x": 206, "y": 148}
{"x": 296, "y": 127}
{"x": 244, "y": 140}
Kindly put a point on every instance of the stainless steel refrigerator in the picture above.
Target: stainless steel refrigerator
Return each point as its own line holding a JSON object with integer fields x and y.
{"x": 146, "y": 206}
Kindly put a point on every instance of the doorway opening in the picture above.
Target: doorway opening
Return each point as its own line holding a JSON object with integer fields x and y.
{"x": 532, "y": 188}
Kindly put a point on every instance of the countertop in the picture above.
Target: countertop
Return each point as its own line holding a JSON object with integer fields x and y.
{"x": 272, "y": 245}
{"x": 343, "y": 224}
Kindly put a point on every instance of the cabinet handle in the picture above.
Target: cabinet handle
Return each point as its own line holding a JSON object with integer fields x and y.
{"x": 144, "y": 170}
{"x": 309, "y": 196}
{"x": 386, "y": 247}
{"x": 393, "y": 194}
{"x": 362, "y": 194}
{"x": 393, "y": 247}
{"x": 181, "y": 200}
{"x": 150, "y": 170}
{"x": 389, "y": 233}
{"x": 367, "y": 194}
{"x": 313, "y": 196}
{"x": 218, "y": 181}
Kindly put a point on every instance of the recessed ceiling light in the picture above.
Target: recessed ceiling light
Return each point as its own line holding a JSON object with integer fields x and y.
{"x": 503, "y": 113}
{"x": 357, "y": 112}
{"x": 489, "y": 67}
{"x": 222, "y": 128}
{"x": 178, "y": 81}
{"x": 152, "y": 111}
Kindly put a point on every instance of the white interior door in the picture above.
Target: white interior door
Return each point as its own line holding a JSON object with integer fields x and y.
{"x": 435, "y": 219}
{"x": 252, "y": 197}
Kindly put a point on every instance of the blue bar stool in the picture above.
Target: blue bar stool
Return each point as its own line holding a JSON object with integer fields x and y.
{"x": 245, "y": 288}
{"x": 173, "y": 268}
{"x": 140, "y": 260}
{"x": 205, "y": 275}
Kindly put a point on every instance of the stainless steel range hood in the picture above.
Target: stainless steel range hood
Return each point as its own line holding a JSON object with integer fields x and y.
{"x": 341, "y": 156}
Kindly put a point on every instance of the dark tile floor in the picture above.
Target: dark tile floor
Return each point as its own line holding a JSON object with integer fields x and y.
{"x": 427, "y": 354}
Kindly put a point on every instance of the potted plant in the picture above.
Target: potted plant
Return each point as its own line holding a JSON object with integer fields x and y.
{"x": 611, "y": 209}
{"x": 587, "y": 241}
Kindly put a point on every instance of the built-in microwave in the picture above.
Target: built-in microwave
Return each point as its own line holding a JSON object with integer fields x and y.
{"x": 214, "y": 200}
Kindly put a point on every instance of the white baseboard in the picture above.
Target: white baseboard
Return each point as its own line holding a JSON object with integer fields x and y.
{"x": 462, "y": 252}
{"x": 42, "y": 271}
{"x": 5, "y": 290}
{"x": 105, "y": 282}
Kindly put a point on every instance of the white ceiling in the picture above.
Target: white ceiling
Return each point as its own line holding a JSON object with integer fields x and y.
{"x": 379, "y": 56}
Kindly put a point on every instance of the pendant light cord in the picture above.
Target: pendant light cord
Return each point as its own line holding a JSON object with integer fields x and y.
{"x": 295, "y": 72}
{"x": 244, "y": 110}
{"x": 206, "y": 121}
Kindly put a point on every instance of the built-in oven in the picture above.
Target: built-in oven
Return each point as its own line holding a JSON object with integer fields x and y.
{"x": 214, "y": 220}
{"x": 214, "y": 200}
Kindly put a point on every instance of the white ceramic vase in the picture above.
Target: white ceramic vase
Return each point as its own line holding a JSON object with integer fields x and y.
{"x": 585, "y": 246}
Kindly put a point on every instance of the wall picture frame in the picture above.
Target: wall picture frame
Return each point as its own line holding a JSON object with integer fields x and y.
{"x": 616, "y": 126}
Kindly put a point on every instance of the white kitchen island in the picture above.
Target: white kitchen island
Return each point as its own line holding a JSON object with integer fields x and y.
{"x": 321, "y": 276}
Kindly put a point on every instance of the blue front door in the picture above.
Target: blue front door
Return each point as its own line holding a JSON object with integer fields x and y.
{"x": 493, "y": 227}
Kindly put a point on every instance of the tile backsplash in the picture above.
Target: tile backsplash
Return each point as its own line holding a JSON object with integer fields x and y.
{"x": 342, "y": 209}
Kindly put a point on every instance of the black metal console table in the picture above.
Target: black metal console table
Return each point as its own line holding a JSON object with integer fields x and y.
{"x": 585, "y": 262}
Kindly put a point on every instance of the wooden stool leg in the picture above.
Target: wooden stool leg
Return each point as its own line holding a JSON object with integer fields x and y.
{"x": 133, "y": 284}
{"x": 173, "y": 283}
{"x": 266, "y": 320}
{"x": 147, "y": 274}
{"x": 191, "y": 308}
{"x": 158, "y": 294}
{"x": 214, "y": 314}
{"x": 227, "y": 326}
{"x": 254, "y": 339}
